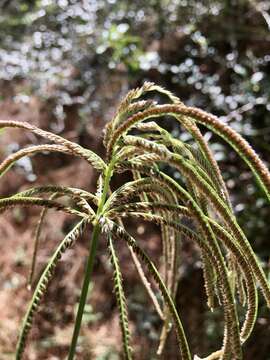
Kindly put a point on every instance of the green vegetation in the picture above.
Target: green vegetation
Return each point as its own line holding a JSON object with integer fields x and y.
{"x": 197, "y": 208}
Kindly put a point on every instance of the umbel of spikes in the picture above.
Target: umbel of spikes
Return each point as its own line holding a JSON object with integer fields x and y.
{"x": 197, "y": 209}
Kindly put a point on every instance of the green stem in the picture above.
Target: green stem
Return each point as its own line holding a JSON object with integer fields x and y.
{"x": 84, "y": 292}
{"x": 90, "y": 263}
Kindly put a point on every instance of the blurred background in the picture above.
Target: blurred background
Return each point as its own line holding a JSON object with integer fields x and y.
{"x": 64, "y": 66}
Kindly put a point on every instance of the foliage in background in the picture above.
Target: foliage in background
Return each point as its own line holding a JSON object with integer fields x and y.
{"x": 213, "y": 54}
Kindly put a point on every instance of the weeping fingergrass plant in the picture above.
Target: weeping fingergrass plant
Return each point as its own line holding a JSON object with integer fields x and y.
{"x": 138, "y": 144}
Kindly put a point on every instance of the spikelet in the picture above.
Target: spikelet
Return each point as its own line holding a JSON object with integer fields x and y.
{"x": 147, "y": 145}
{"x": 43, "y": 284}
{"x": 31, "y": 150}
{"x": 61, "y": 190}
{"x": 146, "y": 284}
{"x": 74, "y": 148}
{"x": 121, "y": 299}
{"x": 7, "y": 203}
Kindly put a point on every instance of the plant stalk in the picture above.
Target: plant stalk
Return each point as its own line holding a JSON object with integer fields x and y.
{"x": 90, "y": 263}
{"x": 84, "y": 292}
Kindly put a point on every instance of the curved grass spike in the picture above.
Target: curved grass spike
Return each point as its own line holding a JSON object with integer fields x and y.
{"x": 61, "y": 190}
{"x": 121, "y": 299}
{"x": 156, "y": 148}
{"x": 231, "y": 222}
{"x": 146, "y": 284}
{"x": 210, "y": 281}
{"x": 248, "y": 274}
{"x": 75, "y": 149}
{"x": 130, "y": 110}
{"x": 29, "y": 151}
{"x": 146, "y": 170}
{"x": 241, "y": 289}
{"x": 164, "y": 193}
{"x": 198, "y": 159}
{"x": 165, "y": 240}
{"x": 43, "y": 284}
{"x": 134, "y": 188}
{"x": 202, "y": 143}
{"x": 149, "y": 209}
{"x": 123, "y": 109}
{"x": 10, "y": 202}
{"x": 127, "y": 152}
{"x": 120, "y": 232}
{"x": 214, "y": 177}
{"x": 168, "y": 238}
{"x": 144, "y": 279}
{"x": 123, "y": 191}
{"x": 192, "y": 128}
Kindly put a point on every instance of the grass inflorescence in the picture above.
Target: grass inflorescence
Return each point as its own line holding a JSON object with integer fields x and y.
{"x": 135, "y": 142}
